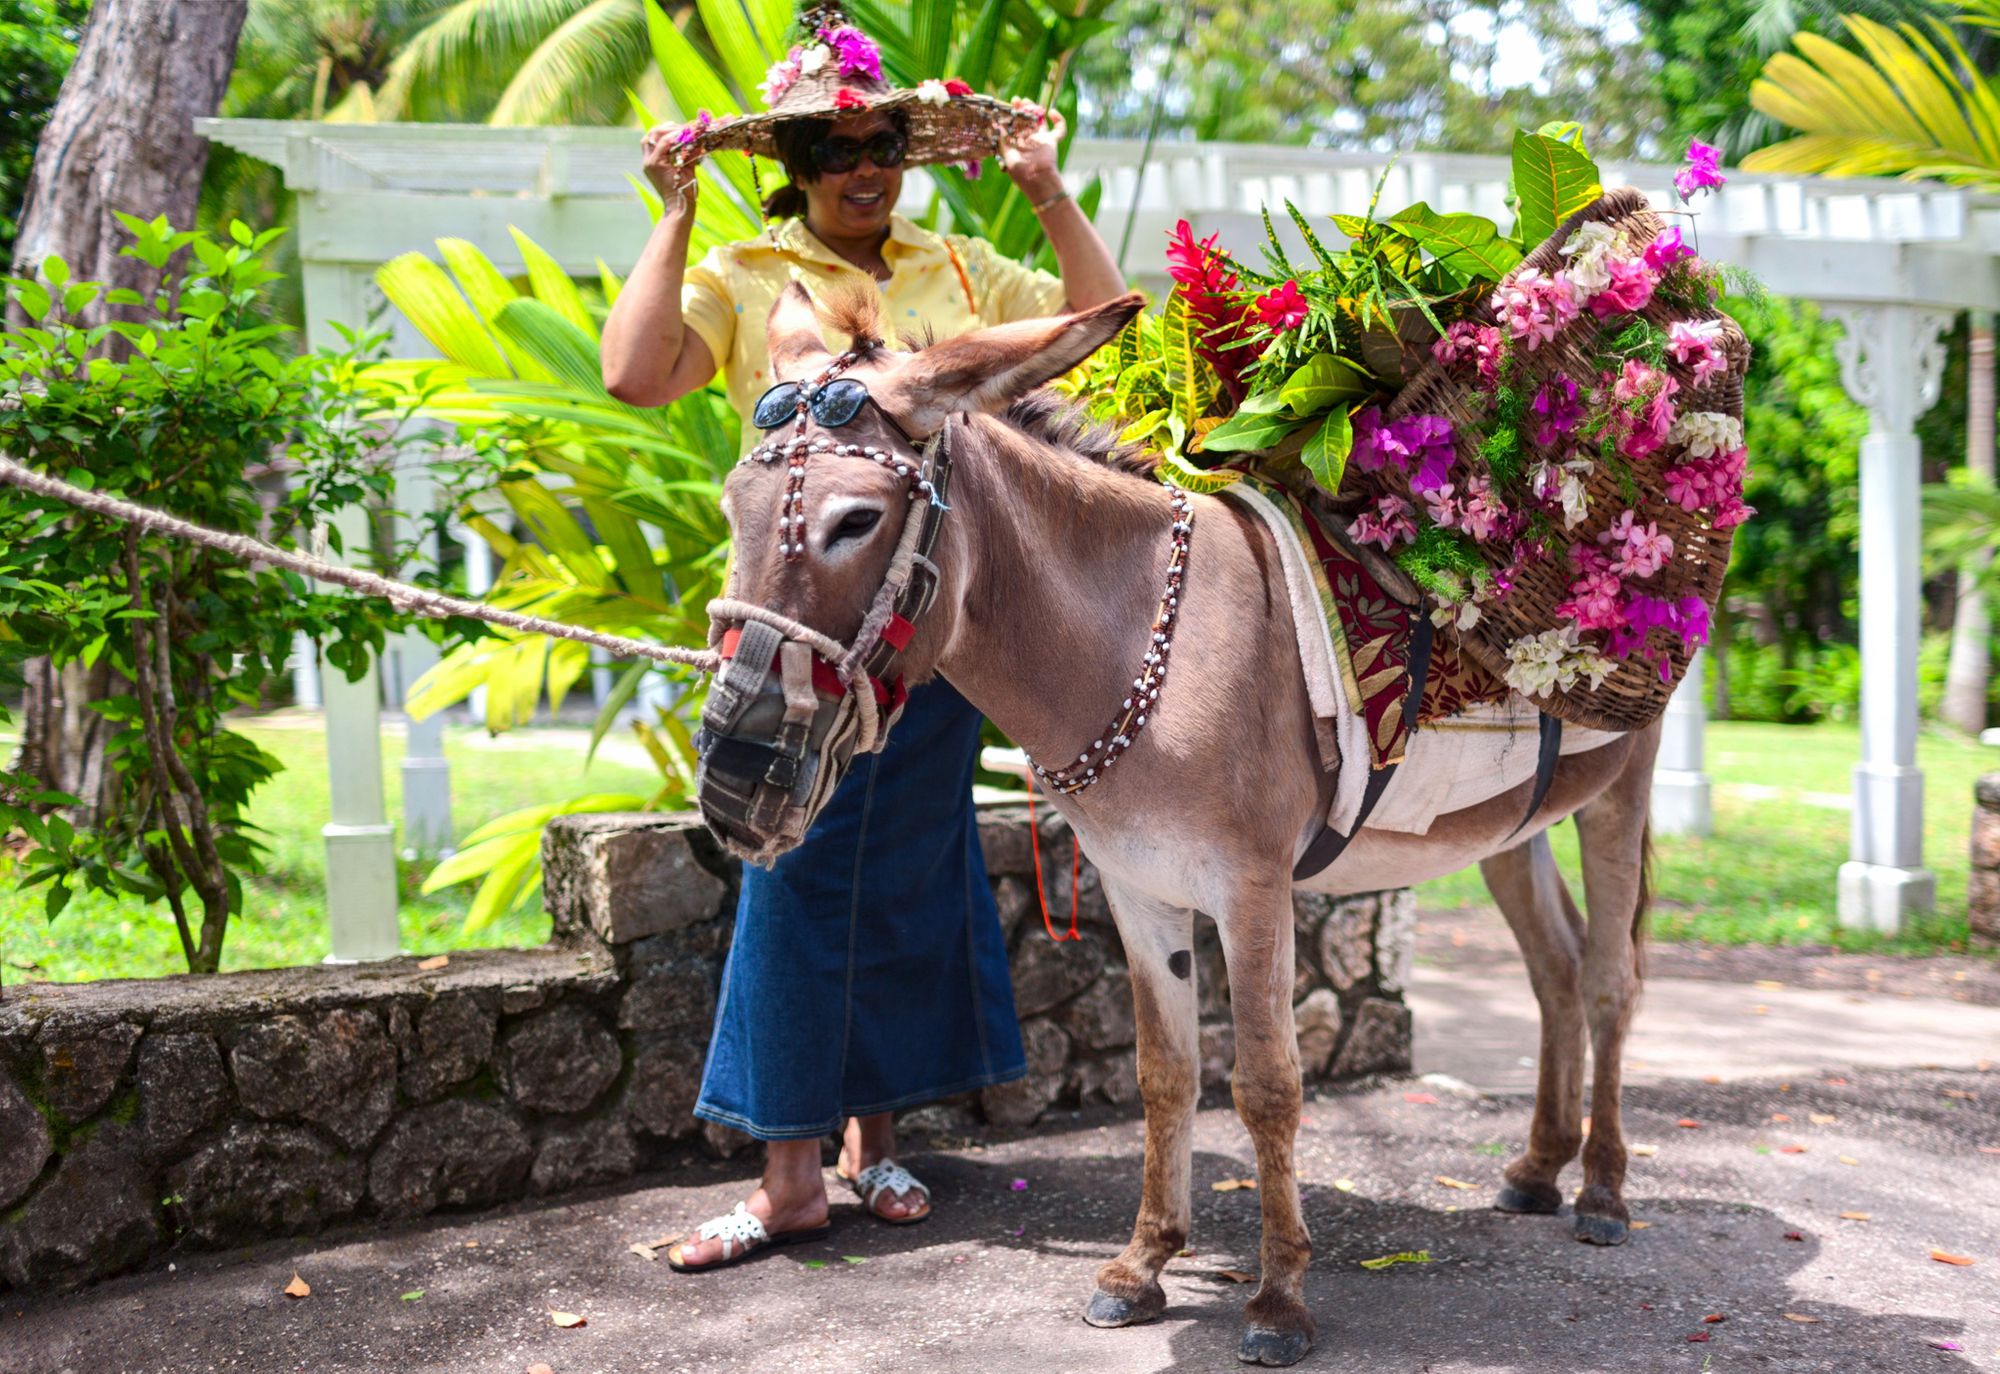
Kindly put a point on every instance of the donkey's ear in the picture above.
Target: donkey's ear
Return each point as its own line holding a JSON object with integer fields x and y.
{"x": 991, "y": 368}
{"x": 791, "y": 331}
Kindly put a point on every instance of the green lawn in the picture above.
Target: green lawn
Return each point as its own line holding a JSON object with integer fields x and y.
{"x": 284, "y": 917}
{"x": 1767, "y": 875}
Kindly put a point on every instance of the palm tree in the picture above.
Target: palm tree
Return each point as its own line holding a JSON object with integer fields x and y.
{"x": 1915, "y": 102}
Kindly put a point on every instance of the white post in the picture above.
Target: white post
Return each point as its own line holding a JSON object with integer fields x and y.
{"x": 360, "y": 842}
{"x": 478, "y": 582}
{"x": 426, "y": 774}
{"x": 305, "y": 672}
{"x": 1891, "y": 360}
{"x": 1682, "y": 804}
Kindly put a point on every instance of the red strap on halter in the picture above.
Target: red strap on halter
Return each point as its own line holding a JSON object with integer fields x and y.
{"x": 898, "y": 632}
{"x": 826, "y": 680}
{"x": 1075, "y": 873}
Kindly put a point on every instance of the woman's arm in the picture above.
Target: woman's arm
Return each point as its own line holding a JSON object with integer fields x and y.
{"x": 649, "y": 357}
{"x": 1089, "y": 274}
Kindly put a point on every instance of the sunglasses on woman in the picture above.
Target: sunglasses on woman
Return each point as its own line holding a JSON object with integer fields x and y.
{"x": 832, "y": 405}
{"x": 885, "y": 149}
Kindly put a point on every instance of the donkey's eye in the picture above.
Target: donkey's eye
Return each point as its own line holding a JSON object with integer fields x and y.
{"x": 854, "y": 524}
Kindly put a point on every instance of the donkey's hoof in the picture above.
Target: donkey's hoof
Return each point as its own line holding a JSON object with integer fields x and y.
{"x": 1107, "y": 1310}
{"x": 1593, "y": 1229}
{"x": 1540, "y": 1199}
{"x": 1263, "y": 1345}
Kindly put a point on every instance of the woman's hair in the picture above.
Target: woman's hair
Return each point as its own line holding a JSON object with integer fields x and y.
{"x": 795, "y": 139}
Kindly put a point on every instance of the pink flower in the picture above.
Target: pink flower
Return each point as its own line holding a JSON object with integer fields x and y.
{"x": 1667, "y": 249}
{"x": 1482, "y": 515}
{"x": 1440, "y": 506}
{"x": 780, "y": 78}
{"x": 1596, "y": 601}
{"x": 1389, "y": 524}
{"x": 1429, "y": 441}
{"x": 857, "y": 52}
{"x": 1631, "y": 288}
{"x": 1479, "y": 343}
{"x": 1701, "y": 172}
{"x": 971, "y": 168}
{"x": 1558, "y": 411}
{"x": 1647, "y": 430}
{"x": 1533, "y": 307}
{"x": 1694, "y": 345}
{"x": 1374, "y": 443}
{"x": 1637, "y": 550}
{"x": 1282, "y": 307}
{"x": 847, "y": 98}
{"x": 953, "y": 86}
{"x": 689, "y": 132}
{"x": 1715, "y": 481}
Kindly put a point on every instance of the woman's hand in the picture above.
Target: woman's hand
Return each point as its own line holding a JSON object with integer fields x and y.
{"x": 672, "y": 175}
{"x": 1030, "y": 158}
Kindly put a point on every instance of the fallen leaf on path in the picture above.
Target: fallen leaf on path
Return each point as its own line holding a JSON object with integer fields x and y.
{"x": 1946, "y": 1345}
{"x": 1714, "y": 1317}
{"x": 863, "y": 1259}
{"x": 472, "y": 1245}
{"x": 1421, "y": 1099}
{"x": 1770, "y": 984}
{"x": 1450, "y": 1182}
{"x": 1942, "y": 1258}
{"x": 298, "y": 1287}
{"x": 1711, "y": 1078}
{"x": 1801, "y": 1318}
{"x": 1780, "y": 1117}
{"x": 1791, "y": 1149}
{"x": 1645, "y": 1151}
{"x": 435, "y": 962}
{"x": 1019, "y": 1185}
{"x": 1402, "y": 1257}
{"x": 644, "y": 1252}
{"x": 1823, "y": 1118}
{"x": 664, "y": 1241}
{"x": 1851, "y": 1160}
{"x": 1231, "y": 1185}
{"x": 1345, "y": 1185}
{"x": 1235, "y": 1276}
{"x": 1638, "y": 1225}
{"x": 1961, "y": 1094}
{"x": 1182, "y": 1254}
{"x": 566, "y": 1320}
{"x": 1795, "y": 1235}
{"x": 1834, "y": 1082}
{"x": 413, "y": 1295}
{"x": 540, "y": 1369}
{"x": 1688, "y": 1123}
{"x": 821, "y": 1264}
{"x": 1760, "y": 1010}
{"x": 1697, "y": 1337}
{"x": 1854, "y": 1216}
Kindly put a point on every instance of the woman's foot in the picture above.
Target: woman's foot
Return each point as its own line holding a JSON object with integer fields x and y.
{"x": 792, "y": 1197}
{"x": 871, "y": 1140}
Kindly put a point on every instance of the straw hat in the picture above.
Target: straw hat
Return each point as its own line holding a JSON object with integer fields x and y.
{"x": 837, "y": 72}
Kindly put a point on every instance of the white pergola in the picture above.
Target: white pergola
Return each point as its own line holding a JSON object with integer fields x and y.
{"x": 1894, "y": 262}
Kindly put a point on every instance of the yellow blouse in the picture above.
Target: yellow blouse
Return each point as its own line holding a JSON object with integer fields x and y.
{"x": 947, "y": 284}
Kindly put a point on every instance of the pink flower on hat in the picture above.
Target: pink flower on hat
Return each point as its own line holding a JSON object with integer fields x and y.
{"x": 953, "y": 86}
{"x": 856, "y": 50}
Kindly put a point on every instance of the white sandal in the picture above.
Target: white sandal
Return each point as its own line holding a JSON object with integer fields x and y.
{"x": 742, "y": 1235}
{"x": 886, "y": 1175}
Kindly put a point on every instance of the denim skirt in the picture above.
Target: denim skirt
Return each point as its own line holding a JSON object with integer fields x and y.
{"x": 868, "y": 971}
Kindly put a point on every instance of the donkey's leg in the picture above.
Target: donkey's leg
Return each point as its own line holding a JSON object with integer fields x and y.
{"x": 1613, "y": 842}
{"x": 1159, "y": 945}
{"x": 1257, "y": 941}
{"x": 1528, "y": 886}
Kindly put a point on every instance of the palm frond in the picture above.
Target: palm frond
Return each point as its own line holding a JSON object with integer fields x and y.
{"x": 580, "y": 72}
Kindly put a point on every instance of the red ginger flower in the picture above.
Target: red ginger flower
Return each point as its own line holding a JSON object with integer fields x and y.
{"x": 1201, "y": 273}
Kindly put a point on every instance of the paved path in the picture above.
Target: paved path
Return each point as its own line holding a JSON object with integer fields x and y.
{"x": 993, "y": 1283}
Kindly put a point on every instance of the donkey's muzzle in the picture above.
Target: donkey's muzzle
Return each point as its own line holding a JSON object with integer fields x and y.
{"x": 774, "y": 743}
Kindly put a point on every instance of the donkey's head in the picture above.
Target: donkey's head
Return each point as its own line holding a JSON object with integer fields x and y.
{"x": 834, "y": 515}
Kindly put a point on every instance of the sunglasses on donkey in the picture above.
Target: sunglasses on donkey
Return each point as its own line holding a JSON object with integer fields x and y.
{"x": 833, "y": 404}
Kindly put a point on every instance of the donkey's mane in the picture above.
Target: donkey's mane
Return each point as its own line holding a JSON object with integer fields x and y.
{"x": 1063, "y": 424}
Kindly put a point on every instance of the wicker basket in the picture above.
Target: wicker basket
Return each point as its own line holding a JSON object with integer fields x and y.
{"x": 1634, "y": 694}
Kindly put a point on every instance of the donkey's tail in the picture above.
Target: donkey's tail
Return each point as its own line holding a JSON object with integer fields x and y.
{"x": 1645, "y": 902}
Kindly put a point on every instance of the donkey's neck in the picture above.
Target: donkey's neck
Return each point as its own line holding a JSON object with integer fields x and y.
{"x": 1059, "y": 563}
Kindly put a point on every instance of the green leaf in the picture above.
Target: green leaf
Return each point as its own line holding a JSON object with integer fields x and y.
{"x": 420, "y": 289}
{"x": 1325, "y": 454}
{"x": 1552, "y": 181}
{"x": 1462, "y": 242}
{"x": 1246, "y": 433}
{"x": 1323, "y": 380}
{"x": 552, "y": 285}
{"x": 413, "y": 1295}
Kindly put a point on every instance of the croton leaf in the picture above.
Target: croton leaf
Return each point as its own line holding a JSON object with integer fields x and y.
{"x": 1325, "y": 454}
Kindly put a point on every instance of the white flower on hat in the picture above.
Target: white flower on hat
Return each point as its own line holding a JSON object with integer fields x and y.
{"x": 813, "y": 58}
{"x": 933, "y": 92}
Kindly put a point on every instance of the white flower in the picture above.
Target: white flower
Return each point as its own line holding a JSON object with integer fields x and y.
{"x": 1554, "y": 659}
{"x": 932, "y": 92}
{"x": 1704, "y": 433}
{"x": 1590, "y": 250}
{"x": 1564, "y": 482}
{"x": 813, "y": 58}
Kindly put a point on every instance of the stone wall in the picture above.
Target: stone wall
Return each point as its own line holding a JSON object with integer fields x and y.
{"x": 138, "y": 1116}
{"x": 1982, "y": 897}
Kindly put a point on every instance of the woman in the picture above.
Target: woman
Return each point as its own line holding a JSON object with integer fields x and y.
{"x": 868, "y": 972}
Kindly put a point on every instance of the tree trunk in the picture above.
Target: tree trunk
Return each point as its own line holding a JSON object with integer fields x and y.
{"x": 121, "y": 137}
{"x": 1966, "y": 676}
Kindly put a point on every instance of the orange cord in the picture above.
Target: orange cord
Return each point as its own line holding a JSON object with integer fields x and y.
{"x": 1075, "y": 873}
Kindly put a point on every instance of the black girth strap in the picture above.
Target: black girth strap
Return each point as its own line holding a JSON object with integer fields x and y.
{"x": 1545, "y": 767}
{"x": 1328, "y": 844}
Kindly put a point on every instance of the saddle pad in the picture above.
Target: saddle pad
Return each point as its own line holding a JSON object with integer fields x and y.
{"x": 1354, "y": 645}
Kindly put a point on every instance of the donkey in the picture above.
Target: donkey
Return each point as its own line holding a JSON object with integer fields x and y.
{"x": 1048, "y": 570}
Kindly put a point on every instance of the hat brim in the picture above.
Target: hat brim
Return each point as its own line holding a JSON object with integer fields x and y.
{"x": 964, "y": 128}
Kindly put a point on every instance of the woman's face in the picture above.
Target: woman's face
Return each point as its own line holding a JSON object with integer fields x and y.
{"x": 855, "y": 203}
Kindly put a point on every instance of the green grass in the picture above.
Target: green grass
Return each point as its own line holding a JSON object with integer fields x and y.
{"x": 1767, "y": 876}
{"x": 284, "y": 916}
